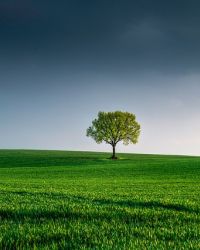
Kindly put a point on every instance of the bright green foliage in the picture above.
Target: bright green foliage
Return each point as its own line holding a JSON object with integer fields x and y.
{"x": 81, "y": 200}
{"x": 113, "y": 127}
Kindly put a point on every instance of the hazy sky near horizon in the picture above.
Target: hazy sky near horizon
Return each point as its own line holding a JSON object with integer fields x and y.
{"x": 62, "y": 62}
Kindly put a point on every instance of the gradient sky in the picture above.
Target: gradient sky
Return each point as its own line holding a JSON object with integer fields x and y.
{"x": 63, "y": 61}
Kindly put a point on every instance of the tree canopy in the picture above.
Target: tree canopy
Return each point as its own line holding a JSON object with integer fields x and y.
{"x": 113, "y": 127}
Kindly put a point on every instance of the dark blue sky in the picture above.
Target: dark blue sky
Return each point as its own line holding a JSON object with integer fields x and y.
{"x": 62, "y": 62}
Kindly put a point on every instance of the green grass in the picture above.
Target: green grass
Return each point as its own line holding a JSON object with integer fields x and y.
{"x": 82, "y": 200}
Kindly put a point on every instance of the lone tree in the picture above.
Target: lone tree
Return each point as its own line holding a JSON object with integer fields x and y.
{"x": 113, "y": 127}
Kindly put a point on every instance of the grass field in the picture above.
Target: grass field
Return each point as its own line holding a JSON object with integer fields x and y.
{"x": 81, "y": 200}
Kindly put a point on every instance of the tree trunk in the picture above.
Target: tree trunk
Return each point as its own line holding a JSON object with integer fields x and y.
{"x": 113, "y": 155}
